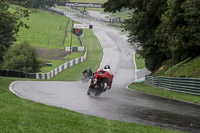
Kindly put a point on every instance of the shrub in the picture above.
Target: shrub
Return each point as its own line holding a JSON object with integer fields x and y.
{"x": 22, "y": 57}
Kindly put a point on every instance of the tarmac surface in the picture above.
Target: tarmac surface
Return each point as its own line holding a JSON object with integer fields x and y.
{"x": 119, "y": 103}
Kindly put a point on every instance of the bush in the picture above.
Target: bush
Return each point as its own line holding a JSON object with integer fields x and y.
{"x": 22, "y": 57}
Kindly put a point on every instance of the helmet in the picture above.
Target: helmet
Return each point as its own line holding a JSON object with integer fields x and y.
{"x": 106, "y": 67}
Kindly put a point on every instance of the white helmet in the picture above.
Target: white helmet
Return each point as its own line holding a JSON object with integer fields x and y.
{"x": 106, "y": 68}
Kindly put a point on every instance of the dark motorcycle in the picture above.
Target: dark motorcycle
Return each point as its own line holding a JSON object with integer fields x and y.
{"x": 98, "y": 88}
{"x": 86, "y": 75}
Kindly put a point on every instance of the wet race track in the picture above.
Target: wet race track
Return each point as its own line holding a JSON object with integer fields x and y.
{"x": 118, "y": 103}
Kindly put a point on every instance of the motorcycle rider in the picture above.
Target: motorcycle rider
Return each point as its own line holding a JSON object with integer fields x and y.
{"x": 87, "y": 74}
{"x": 88, "y": 71}
{"x": 104, "y": 73}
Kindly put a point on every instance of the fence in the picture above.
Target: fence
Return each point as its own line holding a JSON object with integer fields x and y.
{"x": 185, "y": 85}
{"x": 19, "y": 74}
{"x": 61, "y": 68}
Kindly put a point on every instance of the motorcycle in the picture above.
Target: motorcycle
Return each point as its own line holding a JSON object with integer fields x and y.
{"x": 86, "y": 75}
{"x": 97, "y": 88}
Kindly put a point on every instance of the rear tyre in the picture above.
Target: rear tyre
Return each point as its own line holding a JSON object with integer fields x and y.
{"x": 88, "y": 92}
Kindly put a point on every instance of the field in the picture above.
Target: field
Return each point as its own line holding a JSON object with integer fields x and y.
{"x": 95, "y": 54}
{"x": 89, "y": 1}
{"x": 46, "y": 29}
{"x": 46, "y": 34}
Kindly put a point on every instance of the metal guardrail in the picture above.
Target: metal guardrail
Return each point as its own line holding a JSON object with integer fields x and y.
{"x": 54, "y": 72}
{"x": 184, "y": 85}
{"x": 15, "y": 73}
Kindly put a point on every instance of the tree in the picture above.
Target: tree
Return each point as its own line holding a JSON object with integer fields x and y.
{"x": 9, "y": 25}
{"x": 142, "y": 25}
{"x": 180, "y": 26}
{"x": 22, "y": 57}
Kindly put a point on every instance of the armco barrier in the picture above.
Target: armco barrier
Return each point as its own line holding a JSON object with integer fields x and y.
{"x": 15, "y": 73}
{"x": 74, "y": 49}
{"x": 61, "y": 68}
{"x": 19, "y": 74}
{"x": 184, "y": 85}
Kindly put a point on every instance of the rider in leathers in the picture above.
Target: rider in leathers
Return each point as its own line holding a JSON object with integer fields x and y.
{"x": 104, "y": 73}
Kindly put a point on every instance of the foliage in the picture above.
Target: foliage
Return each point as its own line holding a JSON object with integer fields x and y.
{"x": 180, "y": 26}
{"x": 164, "y": 28}
{"x": 140, "y": 63}
{"x": 22, "y": 57}
{"x": 187, "y": 68}
{"x": 9, "y": 24}
{"x": 142, "y": 25}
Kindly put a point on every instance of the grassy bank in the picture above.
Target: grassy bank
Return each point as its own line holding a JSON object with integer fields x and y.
{"x": 139, "y": 61}
{"x": 188, "y": 68}
{"x": 46, "y": 29}
{"x": 123, "y": 15}
{"x": 95, "y": 53}
{"x": 141, "y": 87}
{"x": 18, "y": 115}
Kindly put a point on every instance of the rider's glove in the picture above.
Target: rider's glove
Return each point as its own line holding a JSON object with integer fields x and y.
{"x": 108, "y": 87}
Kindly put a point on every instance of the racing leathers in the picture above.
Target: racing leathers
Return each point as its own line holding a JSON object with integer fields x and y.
{"x": 104, "y": 74}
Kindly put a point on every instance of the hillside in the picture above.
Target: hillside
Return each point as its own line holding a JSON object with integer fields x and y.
{"x": 46, "y": 29}
{"x": 187, "y": 68}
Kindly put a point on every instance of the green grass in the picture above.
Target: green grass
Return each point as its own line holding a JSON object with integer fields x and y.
{"x": 95, "y": 53}
{"x": 89, "y": 1}
{"x": 63, "y": 8}
{"x": 74, "y": 55}
{"x": 47, "y": 29}
{"x": 188, "y": 68}
{"x": 141, "y": 87}
{"x": 123, "y": 15}
{"x": 18, "y": 115}
{"x": 57, "y": 63}
{"x": 139, "y": 61}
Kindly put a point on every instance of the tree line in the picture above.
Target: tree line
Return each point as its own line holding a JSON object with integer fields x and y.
{"x": 166, "y": 29}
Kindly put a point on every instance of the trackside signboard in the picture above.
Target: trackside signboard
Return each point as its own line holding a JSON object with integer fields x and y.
{"x": 88, "y": 5}
{"x": 82, "y": 26}
{"x": 77, "y": 32}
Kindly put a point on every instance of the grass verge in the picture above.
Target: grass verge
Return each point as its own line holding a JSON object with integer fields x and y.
{"x": 95, "y": 54}
{"x": 188, "y": 68}
{"x": 57, "y": 63}
{"x": 142, "y": 87}
{"x": 123, "y": 15}
{"x": 18, "y": 115}
{"x": 139, "y": 61}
